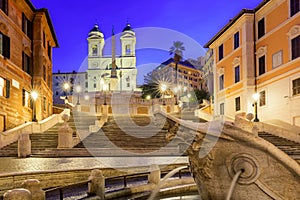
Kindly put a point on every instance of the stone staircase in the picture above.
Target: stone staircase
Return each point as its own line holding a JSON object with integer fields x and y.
{"x": 129, "y": 135}
{"x": 43, "y": 143}
{"x": 119, "y": 136}
{"x": 289, "y": 147}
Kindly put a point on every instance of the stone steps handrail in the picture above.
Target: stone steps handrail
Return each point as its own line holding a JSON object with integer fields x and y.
{"x": 236, "y": 133}
{"x": 13, "y": 135}
{"x": 53, "y": 179}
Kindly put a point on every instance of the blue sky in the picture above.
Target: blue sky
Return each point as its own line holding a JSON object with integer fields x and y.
{"x": 157, "y": 23}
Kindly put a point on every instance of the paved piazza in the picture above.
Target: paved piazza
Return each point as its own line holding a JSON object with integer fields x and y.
{"x": 18, "y": 165}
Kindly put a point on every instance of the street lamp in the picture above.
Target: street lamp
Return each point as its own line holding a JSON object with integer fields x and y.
{"x": 163, "y": 88}
{"x": 255, "y": 97}
{"x": 66, "y": 87}
{"x": 189, "y": 96}
{"x": 105, "y": 87}
{"x": 34, "y": 96}
{"x": 78, "y": 90}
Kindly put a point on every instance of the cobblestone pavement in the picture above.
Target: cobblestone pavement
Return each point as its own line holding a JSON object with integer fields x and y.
{"x": 21, "y": 165}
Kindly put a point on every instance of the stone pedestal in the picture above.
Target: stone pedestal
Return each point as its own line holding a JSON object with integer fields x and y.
{"x": 105, "y": 111}
{"x": 154, "y": 176}
{"x": 65, "y": 134}
{"x": 176, "y": 109}
{"x": 34, "y": 186}
{"x": 96, "y": 186}
{"x": 17, "y": 194}
{"x": 24, "y": 145}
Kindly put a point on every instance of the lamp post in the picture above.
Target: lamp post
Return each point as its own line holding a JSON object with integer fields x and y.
{"x": 189, "y": 96}
{"x": 163, "y": 88}
{"x": 255, "y": 97}
{"x": 78, "y": 90}
{"x": 105, "y": 87}
{"x": 34, "y": 96}
{"x": 66, "y": 87}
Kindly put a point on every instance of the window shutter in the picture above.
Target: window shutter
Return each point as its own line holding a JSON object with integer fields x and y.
{"x": 6, "y": 46}
{"x": 7, "y": 88}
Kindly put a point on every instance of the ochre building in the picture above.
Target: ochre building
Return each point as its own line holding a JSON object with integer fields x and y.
{"x": 258, "y": 52}
{"x": 26, "y": 41}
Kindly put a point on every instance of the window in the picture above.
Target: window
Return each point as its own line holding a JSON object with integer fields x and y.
{"x": 26, "y": 99}
{"x": 261, "y": 28}
{"x": 261, "y": 65}
{"x": 236, "y": 40}
{"x": 86, "y": 84}
{"x": 262, "y": 98}
{"x": 296, "y": 47}
{"x": 277, "y": 59}
{"x": 26, "y": 63}
{"x": 221, "y": 52}
{"x": 222, "y": 109}
{"x": 4, "y": 45}
{"x": 95, "y": 85}
{"x": 4, "y": 6}
{"x": 49, "y": 50}
{"x": 237, "y": 74}
{"x": 44, "y": 39}
{"x": 237, "y": 104}
{"x": 44, "y": 103}
{"x": 294, "y": 7}
{"x": 56, "y": 93}
{"x": 221, "y": 82}
{"x": 128, "y": 84}
{"x": 296, "y": 86}
{"x": 95, "y": 50}
{"x": 128, "y": 51}
{"x": 26, "y": 26}
{"x": 44, "y": 72}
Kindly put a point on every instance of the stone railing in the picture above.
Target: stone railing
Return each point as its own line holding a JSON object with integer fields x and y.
{"x": 220, "y": 151}
{"x": 59, "y": 179}
{"x": 13, "y": 135}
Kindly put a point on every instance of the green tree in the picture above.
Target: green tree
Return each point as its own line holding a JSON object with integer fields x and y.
{"x": 201, "y": 94}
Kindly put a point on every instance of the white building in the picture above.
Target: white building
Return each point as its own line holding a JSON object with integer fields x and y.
{"x": 102, "y": 73}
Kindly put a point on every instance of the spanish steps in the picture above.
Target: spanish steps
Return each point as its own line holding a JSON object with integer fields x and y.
{"x": 120, "y": 136}
{"x": 289, "y": 147}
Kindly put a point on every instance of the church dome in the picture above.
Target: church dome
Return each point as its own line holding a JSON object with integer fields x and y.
{"x": 95, "y": 31}
{"x": 127, "y": 28}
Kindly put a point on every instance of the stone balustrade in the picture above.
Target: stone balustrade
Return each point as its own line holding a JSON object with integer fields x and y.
{"x": 14, "y": 134}
{"x": 32, "y": 189}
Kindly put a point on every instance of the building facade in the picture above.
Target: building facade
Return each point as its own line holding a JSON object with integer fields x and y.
{"x": 188, "y": 76}
{"x": 77, "y": 85}
{"x": 112, "y": 73}
{"x": 26, "y": 41}
{"x": 258, "y": 52}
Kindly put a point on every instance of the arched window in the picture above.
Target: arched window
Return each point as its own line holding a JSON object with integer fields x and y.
{"x": 128, "y": 50}
{"x": 95, "y": 50}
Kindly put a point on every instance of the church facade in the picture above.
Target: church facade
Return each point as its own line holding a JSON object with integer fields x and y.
{"x": 111, "y": 73}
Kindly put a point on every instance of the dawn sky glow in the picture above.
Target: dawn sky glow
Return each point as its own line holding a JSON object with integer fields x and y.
{"x": 196, "y": 20}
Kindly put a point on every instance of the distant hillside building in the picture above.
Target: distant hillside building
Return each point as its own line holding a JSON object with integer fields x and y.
{"x": 26, "y": 41}
{"x": 188, "y": 76}
{"x": 258, "y": 52}
{"x": 77, "y": 82}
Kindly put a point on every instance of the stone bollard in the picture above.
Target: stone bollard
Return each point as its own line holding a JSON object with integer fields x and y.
{"x": 65, "y": 134}
{"x": 34, "y": 186}
{"x": 17, "y": 194}
{"x": 154, "y": 176}
{"x": 24, "y": 145}
{"x": 96, "y": 186}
